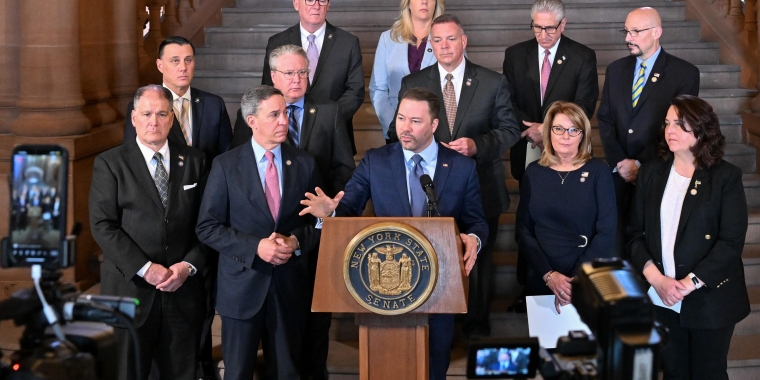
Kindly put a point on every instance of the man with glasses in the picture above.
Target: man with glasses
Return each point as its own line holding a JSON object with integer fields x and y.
{"x": 318, "y": 128}
{"x": 477, "y": 121}
{"x": 557, "y": 68}
{"x": 335, "y": 62}
{"x": 635, "y": 99}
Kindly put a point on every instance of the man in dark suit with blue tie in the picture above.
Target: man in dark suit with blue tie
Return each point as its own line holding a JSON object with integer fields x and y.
{"x": 635, "y": 99}
{"x": 390, "y": 174}
{"x": 249, "y": 214}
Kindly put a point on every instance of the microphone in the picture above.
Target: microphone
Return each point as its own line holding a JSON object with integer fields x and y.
{"x": 427, "y": 184}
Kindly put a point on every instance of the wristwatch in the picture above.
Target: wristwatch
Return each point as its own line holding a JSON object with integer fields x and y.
{"x": 695, "y": 280}
{"x": 190, "y": 270}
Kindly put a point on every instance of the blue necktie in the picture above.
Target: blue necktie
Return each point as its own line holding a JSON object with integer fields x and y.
{"x": 293, "y": 124}
{"x": 418, "y": 200}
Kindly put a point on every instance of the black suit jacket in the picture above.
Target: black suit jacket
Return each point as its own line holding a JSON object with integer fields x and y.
{"x": 485, "y": 115}
{"x": 324, "y": 136}
{"x": 633, "y": 133}
{"x": 709, "y": 239}
{"x": 234, "y": 218}
{"x": 574, "y": 80}
{"x": 212, "y": 131}
{"x": 339, "y": 76}
{"x": 131, "y": 226}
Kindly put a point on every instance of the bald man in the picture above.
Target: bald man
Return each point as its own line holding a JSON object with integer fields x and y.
{"x": 636, "y": 96}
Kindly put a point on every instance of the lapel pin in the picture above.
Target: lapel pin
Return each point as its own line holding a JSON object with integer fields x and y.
{"x": 469, "y": 81}
{"x": 584, "y": 174}
{"x": 181, "y": 157}
{"x": 181, "y": 163}
{"x": 430, "y": 50}
{"x": 697, "y": 183}
{"x": 197, "y": 100}
{"x": 654, "y": 80}
{"x": 312, "y": 110}
{"x": 559, "y": 61}
{"x": 693, "y": 191}
{"x": 583, "y": 179}
{"x": 287, "y": 162}
{"x": 656, "y": 75}
{"x": 445, "y": 165}
{"x": 329, "y": 36}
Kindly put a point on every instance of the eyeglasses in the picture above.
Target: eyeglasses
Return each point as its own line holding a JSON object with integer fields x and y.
{"x": 634, "y": 32}
{"x": 572, "y": 131}
{"x": 291, "y": 74}
{"x": 548, "y": 29}
{"x": 321, "y": 2}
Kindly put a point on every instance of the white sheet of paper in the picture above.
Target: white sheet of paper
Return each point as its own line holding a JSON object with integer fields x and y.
{"x": 658, "y": 302}
{"x": 547, "y": 325}
{"x": 532, "y": 154}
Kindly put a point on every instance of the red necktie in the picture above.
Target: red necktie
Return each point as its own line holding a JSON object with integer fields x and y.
{"x": 546, "y": 70}
{"x": 272, "y": 182}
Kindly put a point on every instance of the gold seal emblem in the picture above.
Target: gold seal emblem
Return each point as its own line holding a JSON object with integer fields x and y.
{"x": 390, "y": 268}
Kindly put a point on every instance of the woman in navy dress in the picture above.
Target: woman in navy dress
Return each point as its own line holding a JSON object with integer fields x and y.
{"x": 567, "y": 214}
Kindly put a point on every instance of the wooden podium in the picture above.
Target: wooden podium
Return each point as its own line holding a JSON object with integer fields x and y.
{"x": 391, "y": 346}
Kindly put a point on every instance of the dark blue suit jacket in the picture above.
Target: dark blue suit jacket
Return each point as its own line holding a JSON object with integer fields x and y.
{"x": 234, "y": 217}
{"x": 212, "y": 131}
{"x": 381, "y": 176}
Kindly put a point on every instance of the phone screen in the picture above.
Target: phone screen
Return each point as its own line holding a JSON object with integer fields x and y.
{"x": 38, "y": 205}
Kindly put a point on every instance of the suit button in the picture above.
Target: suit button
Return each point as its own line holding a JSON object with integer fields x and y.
{"x": 166, "y": 247}
{"x": 630, "y": 131}
{"x": 707, "y": 237}
{"x": 166, "y": 221}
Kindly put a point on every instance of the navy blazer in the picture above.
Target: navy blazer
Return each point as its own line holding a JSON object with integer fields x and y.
{"x": 573, "y": 78}
{"x": 485, "y": 115}
{"x": 234, "y": 217}
{"x": 212, "y": 131}
{"x": 132, "y": 227}
{"x": 381, "y": 176}
{"x": 709, "y": 239}
{"x": 633, "y": 133}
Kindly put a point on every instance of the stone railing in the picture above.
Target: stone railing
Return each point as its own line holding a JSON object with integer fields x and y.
{"x": 185, "y": 18}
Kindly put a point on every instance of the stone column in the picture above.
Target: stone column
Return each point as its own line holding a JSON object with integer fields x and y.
{"x": 123, "y": 76}
{"x": 95, "y": 21}
{"x": 50, "y": 98}
{"x": 9, "y": 59}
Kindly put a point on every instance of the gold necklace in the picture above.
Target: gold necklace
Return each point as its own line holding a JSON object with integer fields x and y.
{"x": 563, "y": 178}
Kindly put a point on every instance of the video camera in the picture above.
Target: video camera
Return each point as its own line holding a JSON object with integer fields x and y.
{"x": 612, "y": 301}
{"x": 67, "y": 335}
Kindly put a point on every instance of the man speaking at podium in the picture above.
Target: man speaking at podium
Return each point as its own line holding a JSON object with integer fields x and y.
{"x": 391, "y": 173}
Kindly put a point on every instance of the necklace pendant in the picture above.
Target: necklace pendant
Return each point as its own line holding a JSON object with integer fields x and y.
{"x": 563, "y": 182}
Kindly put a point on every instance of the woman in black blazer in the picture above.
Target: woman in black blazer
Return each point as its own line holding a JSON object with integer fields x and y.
{"x": 687, "y": 232}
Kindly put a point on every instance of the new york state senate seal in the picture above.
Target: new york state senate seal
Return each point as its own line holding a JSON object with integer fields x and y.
{"x": 390, "y": 268}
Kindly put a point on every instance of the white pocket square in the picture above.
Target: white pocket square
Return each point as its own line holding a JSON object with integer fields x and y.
{"x": 188, "y": 187}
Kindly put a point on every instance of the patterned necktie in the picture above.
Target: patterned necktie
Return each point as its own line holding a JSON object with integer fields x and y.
{"x": 639, "y": 85}
{"x": 272, "y": 188}
{"x": 183, "y": 115}
{"x": 161, "y": 178}
{"x": 450, "y": 102}
{"x": 293, "y": 125}
{"x": 313, "y": 56}
{"x": 546, "y": 70}
{"x": 418, "y": 194}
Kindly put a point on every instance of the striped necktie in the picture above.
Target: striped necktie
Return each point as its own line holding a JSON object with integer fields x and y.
{"x": 639, "y": 85}
{"x": 184, "y": 120}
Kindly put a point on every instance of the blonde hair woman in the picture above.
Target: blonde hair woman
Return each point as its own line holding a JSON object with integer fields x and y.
{"x": 567, "y": 213}
{"x": 402, "y": 50}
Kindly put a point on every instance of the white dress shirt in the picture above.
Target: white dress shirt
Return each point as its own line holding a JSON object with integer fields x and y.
{"x": 189, "y": 100}
{"x": 319, "y": 39}
{"x": 458, "y": 74}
